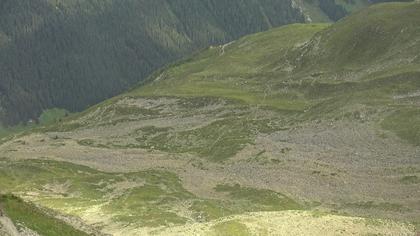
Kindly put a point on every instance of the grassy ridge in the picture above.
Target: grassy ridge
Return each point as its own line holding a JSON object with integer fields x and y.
{"x": 321, "y": 70}
{"x": 366, "y": 39}
{"x": 240, "y": 70}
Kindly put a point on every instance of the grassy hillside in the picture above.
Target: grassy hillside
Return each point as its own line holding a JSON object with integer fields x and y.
{"x": 354, "y": 43}
{"x": 26, "y": 215}
{"x": 320, "y": 70}
{"x": 153, "y": 199}
{"x": 232, "y": 139}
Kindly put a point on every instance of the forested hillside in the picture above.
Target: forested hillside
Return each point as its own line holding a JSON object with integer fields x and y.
{"x": 72, "y": 54}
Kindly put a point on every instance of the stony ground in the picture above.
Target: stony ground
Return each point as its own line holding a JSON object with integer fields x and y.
{"x": 337, "y": 166}
{"x": 292, "y": 223}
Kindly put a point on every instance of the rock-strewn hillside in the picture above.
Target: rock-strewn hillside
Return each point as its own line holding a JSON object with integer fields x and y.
{"x": 245, "y": 135}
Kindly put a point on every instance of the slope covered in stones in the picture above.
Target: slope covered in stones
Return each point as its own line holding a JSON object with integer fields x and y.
{"x": 245, "y": 134}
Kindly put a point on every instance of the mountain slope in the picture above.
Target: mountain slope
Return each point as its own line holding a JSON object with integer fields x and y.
{"x": 50, "y": 50}
{"x": 30, "y": 220}
{"x": 355, "y": 43}
{"x": 241, "y": 134}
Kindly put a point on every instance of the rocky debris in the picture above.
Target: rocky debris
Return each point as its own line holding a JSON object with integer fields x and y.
{"x": 7, "y": 228}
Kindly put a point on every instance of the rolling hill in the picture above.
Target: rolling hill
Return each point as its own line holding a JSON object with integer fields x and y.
{"x": 307, "y": 127}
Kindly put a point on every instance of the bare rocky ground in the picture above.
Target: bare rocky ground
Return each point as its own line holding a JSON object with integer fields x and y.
{"x": 7, "y": 228}
{"x": 342, "y": 166}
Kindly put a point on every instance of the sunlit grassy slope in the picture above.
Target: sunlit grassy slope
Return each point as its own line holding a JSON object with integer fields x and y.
{"x": 148, "y": 198}
{"x": 242, "y": 70}
{"x": 27, "y": 215}
{"x": 369, "y": 59}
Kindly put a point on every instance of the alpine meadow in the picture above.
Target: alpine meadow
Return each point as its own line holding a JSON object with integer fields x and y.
{"x": 219, "y": 118}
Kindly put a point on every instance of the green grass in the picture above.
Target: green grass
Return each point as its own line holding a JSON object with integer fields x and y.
{"x": 217, "y": 141}
{"x": 410, "y": 179}
{"x": 91, "y": 143}
{"x": 239, "y": 200}
{"x": 231, "y": 228}
{"x": 148, "y": 198}
{"x": 263, "y": 199}
{"x": 51, "y": 116}
{"x": 243, "y": 63}
{"x": 207, "y": 210}
{"x": 153, "y": 203}
{"x": 73, "y": 189}
{"x": 363, "y": 39}
{"x": 148, "y": 205}
{"x": 28, "y": 215}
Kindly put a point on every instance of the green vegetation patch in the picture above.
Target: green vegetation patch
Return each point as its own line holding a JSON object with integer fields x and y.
{"x": 231, "y": 228}
{"x": 90, "y": 143}
{"x": 240, "y": 71}
{"x": 146, "y": 197}
{"x": 410, "y": 179}
{"x": 152, "y": 204}
{"x": 217, "y": 141}
{"x": 363, "y": 38}
{"x": 259, "y": 199}
{"x": 28, "y": 215}
{"x": 405, "y": 123}
{"x": 206, "y": 210}
{"x": 51, "y": 116}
